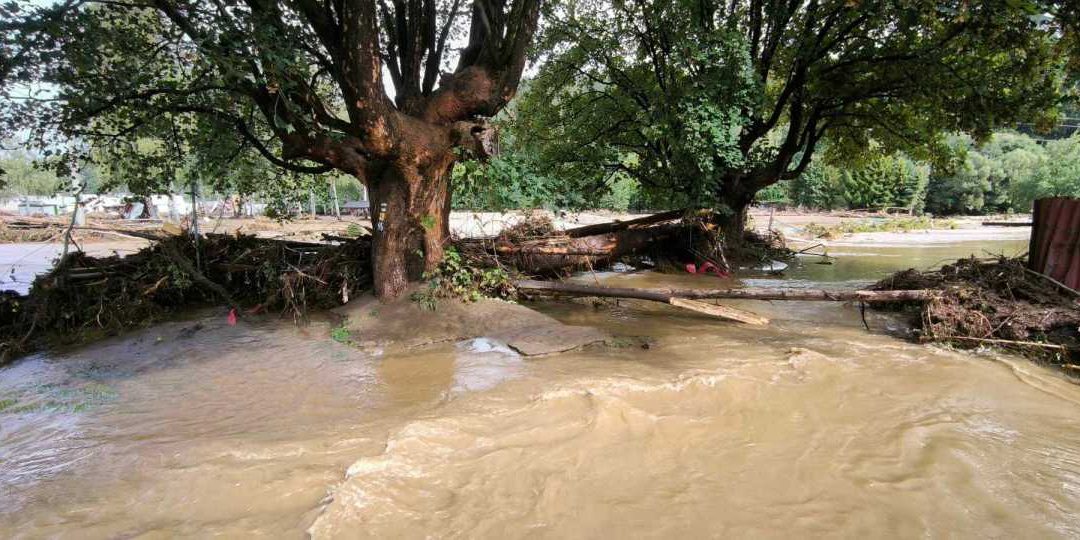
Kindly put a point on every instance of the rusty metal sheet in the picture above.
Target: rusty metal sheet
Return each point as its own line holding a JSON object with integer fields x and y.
{"x": 1055, "y": 240}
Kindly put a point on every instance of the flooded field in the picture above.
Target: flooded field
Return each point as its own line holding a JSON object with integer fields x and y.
{"x": 808, "y": 427}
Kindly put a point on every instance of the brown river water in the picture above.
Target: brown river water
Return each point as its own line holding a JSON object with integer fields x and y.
{"x": 811, "y": 426}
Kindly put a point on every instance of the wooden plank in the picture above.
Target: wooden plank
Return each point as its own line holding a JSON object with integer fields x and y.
{"x": 723, "y": 312}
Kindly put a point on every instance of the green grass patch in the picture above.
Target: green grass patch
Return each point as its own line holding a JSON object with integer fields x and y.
{"x": 341, "y": 334}
{"x": 353, "y": 231}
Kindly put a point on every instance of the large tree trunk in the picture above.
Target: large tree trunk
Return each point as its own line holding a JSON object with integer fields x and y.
{"x": 411, "y": 216}
{"x": 732, "y": 216}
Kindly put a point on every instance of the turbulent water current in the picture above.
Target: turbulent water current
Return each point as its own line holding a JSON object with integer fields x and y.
{"x": 810, "y": 427}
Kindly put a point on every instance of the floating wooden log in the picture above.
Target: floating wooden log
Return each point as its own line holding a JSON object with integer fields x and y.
{"x": 661, "y": 294}
{"x": 655, "y": 295}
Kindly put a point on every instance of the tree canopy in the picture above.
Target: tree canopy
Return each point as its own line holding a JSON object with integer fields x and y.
{"x": 298, "y": 82}
{"x": 740, "y": 95}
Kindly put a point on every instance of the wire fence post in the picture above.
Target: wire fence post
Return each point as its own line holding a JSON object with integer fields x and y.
{"x": 195, "y": 220}
{"x": 333, "y": 191}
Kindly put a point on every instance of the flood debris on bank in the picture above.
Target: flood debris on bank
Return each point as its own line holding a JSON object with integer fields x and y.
{"x": 19, "y": 229}
{"x": 86, "y": 297}
{"x": 665, "y": 241}
{"x": 678, "y": 240}
{"x": 972, "y": 302}
{"x": 997, "y": 302}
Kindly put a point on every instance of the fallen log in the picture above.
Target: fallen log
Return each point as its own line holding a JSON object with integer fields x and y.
{"x": 660, "y": 294}
{"x": 1006, "y": 224}
{"x": 655, "y": 295}
{"x": 559, "y": 253}
{"x": 616, "y": 226}
{"x": 551, "y": 250}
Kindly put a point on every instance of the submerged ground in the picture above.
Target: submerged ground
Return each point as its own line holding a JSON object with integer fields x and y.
{"x": 810, "y": 426}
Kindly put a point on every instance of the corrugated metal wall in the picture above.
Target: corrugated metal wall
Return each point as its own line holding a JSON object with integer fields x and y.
{"x": 1055, "y": 240}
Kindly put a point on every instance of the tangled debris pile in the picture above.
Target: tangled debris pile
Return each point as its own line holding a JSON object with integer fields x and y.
{"x": 86, "y": 297}
{"x": 665, "y": 240}
{"x": 27, "y": 232}
{"x": 997, "y": 302}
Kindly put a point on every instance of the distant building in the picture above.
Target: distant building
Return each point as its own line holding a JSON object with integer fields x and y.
{"x": 356, "y": 208}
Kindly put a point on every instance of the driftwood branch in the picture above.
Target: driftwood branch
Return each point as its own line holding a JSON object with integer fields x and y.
{"x": 1007, "y": 224}
{"x": 1063, "y": 286}
{"x": 185, "y": 264}
{"x": 1005, "y": 342}
{"x": 659, "y": 294}
{"x": 655, "y": 295}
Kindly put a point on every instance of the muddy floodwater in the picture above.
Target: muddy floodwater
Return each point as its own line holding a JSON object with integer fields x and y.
{"x": 808, "y": 427}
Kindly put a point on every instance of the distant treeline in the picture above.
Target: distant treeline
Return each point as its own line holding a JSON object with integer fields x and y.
{"x": 1004, "y": 174}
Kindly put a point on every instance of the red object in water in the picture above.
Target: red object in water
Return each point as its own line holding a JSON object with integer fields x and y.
{"x": 706, "y": 268}
{"x": 232, "y": 317}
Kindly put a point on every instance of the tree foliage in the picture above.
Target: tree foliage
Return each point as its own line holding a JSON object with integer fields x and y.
{"x": 1006, "y": 174}
{"x": 20, "y": 177}
{"x": 736, "y": 96}
{"x": 891, "y": 181}
{"x": 299, "y": 83}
